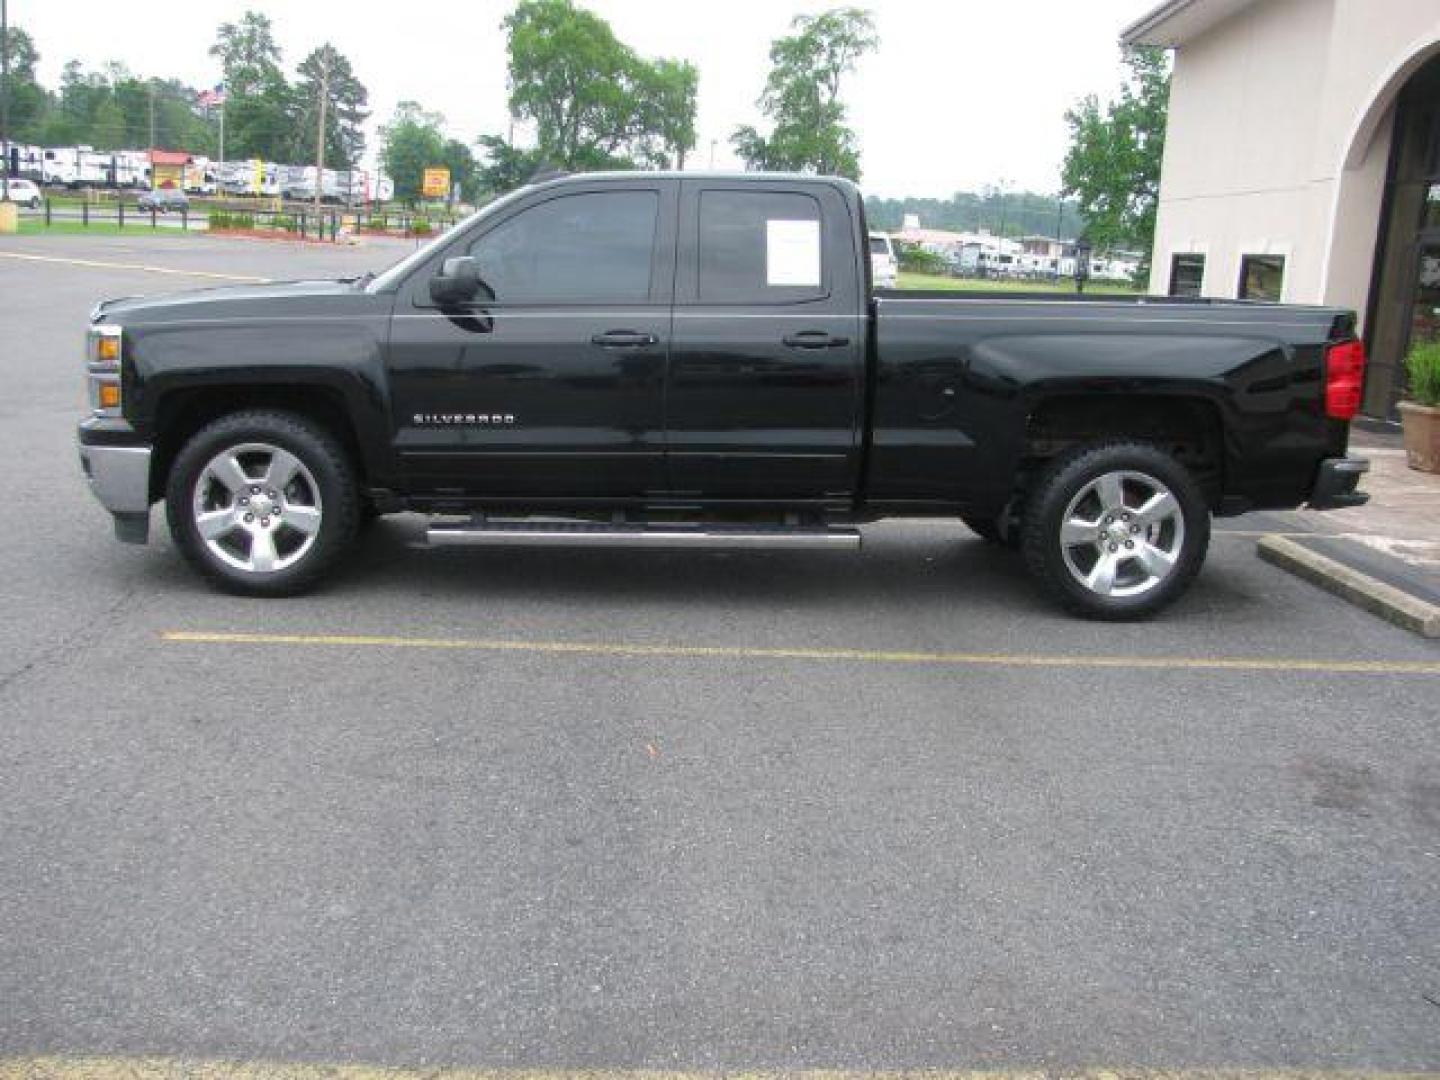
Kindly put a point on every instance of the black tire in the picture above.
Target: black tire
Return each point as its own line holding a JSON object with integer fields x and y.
{"x": 326, "y": 466}
{"x": 1184, "y": 535}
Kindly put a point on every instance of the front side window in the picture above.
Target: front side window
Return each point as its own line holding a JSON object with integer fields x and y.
{"x": 1261, "y": 277}
{"x": 1187, "y": 274}
{"x": 759, "y": 247}
{"x": 593, "y": 247}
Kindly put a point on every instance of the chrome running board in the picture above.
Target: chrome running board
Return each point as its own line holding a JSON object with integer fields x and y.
{"x": 594, "y": 534}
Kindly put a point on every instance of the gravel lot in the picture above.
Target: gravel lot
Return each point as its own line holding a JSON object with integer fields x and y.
{"x": 502, "y": 852}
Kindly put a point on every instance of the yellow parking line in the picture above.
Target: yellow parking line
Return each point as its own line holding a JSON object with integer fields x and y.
{"x": 877, "y": 656}
{"x": 112, "y": 1068}
{"x": 99, "y": 264}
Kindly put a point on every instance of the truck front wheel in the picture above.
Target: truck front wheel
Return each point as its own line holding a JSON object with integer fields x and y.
{"x": 1117, "y": 530}
{"x": 263, "y": 503}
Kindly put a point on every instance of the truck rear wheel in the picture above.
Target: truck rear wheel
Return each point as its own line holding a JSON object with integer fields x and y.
{"x": 1116, "y": 531}
{"x": 263, "y": 503}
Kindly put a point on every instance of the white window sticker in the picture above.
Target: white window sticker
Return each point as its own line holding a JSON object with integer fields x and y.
{"x": 792, "y": 253}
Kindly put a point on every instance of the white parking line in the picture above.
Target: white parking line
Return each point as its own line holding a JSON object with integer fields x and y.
{"x": 142, "y": 267}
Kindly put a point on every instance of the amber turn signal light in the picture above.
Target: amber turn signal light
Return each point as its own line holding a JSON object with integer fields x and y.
{"x": 107, "y": 350}
{"x": 109, "y": 395}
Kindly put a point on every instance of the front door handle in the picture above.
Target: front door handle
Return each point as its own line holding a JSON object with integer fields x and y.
{"x": 814, "y": 339}
{"x": 623, "y": 339}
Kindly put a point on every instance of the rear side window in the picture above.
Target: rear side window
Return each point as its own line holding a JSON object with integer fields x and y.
{"x": 594, "y": 247}
{"x": 759, "y": 247}
{"x": 879, "y": 246}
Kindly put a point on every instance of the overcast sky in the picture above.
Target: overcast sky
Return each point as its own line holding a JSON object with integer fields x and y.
{"x": 960, "y": 93}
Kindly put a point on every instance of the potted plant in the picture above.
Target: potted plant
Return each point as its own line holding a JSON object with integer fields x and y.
{"x": 1420, "y": 414}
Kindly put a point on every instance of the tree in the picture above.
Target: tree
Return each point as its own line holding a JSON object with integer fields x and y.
{"x": 1113, "y": 165}
{"x": 464, "y": 169}
{"x": 506, "y": 166}
{"x": 28, "y": 101}
{"x": 666, "y": 92}
{"x": 1024, "y": 213}
{"x": 248, "y": 53}
{"x": 346, "y": 98}
{"x": 409, "y": 144}
{"x": 802, "y": 96}
{"x": 259, "y": 119}
{"x": 595, "y": 103}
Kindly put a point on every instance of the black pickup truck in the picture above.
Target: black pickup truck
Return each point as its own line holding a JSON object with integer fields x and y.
{"x": 700, "y": 360}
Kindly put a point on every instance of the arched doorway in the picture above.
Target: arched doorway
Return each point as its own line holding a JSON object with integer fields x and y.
{"x": 1405, "y": 299}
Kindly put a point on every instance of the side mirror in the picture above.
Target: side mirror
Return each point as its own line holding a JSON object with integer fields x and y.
{"x": 457, "y": 281}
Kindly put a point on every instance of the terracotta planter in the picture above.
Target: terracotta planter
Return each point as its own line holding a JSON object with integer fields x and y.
{"x": 1422, "y": 436}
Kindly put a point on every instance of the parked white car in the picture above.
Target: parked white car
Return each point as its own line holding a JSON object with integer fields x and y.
{"x": 884, "y": 267}
{"x": 26, "y": 193}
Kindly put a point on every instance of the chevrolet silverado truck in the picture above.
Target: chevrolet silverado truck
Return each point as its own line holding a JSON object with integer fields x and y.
{"x": 694, "y": 360}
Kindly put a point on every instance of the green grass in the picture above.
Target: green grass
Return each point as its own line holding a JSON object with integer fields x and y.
{"x": 953, "y": 284}
{"x": 36, "y": 227}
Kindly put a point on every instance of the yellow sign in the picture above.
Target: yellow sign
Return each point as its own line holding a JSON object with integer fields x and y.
{"x": 436, "y": 184}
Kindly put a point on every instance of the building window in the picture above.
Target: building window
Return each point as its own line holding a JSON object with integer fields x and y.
{"x": 1261, "y": 277}
{"x": 1186, "y": 274}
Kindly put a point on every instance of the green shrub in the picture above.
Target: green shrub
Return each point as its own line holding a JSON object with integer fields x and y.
{"x": 1423, "y": 367}
{"x": 917, "y": 260}
{"x": 228, "y": 219}
{"x": 420, "y": 226}
{"x": 285, "y": 223}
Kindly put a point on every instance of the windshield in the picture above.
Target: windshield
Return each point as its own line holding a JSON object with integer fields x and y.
{"x": 397, "y": 273}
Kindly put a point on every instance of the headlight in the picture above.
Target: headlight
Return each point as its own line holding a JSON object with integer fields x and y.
{"x": 103, "y": 346}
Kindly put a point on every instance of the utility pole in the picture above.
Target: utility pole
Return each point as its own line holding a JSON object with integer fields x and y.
{"x": 320, "y": 134}
{"x": 1059, "y": 225}
{"x": 152, "y": 114}
{"x": 4, "y": 102}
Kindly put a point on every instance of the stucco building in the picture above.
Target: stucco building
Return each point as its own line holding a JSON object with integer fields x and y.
{"x": 1302, "y": 161}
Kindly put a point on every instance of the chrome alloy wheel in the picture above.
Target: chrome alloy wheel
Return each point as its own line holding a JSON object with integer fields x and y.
{"x": 257, "y": 507}
{"x": 1122, "y": 534}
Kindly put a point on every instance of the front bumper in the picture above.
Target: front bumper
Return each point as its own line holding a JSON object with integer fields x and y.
{"x": 119, "y": 476}
{"x": 1335, "y": 484}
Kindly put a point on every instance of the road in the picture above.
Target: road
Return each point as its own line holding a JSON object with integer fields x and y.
{"x": 681, "y": 811}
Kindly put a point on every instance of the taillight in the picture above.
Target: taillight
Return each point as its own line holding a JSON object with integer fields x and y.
{"x": 1344, "y": 379}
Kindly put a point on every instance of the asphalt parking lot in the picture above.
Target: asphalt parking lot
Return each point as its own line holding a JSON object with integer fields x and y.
{"x": 681, "y": 811}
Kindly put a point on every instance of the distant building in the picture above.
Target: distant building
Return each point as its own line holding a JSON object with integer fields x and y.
{"x": 945, "y": 242}
{"x": 167, "y": 169}
{"x": 1048, "y": 246}
{"x": 1302, "y": 162}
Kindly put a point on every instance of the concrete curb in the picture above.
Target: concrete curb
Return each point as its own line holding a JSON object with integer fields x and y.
{"x": 1391, "y": 604}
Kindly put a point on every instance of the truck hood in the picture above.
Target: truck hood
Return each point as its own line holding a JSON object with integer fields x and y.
{"x": 261, "y": 298}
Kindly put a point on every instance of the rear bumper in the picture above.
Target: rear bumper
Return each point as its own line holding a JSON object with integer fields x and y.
{"x": 1335, "y": 484}
{"x": 119, "y": 477}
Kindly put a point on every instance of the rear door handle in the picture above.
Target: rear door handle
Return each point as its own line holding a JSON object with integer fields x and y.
{"x": 623, "y": 339}
{"x": 814, "y": 339}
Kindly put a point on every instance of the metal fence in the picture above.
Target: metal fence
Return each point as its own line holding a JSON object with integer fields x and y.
{"x": 297, "y": 220}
